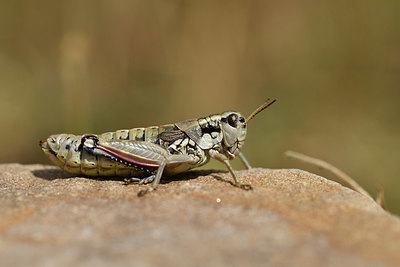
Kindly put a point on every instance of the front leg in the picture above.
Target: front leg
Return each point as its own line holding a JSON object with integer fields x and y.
{"x": 244, "y": 161}
{"x": 222, "y": 158}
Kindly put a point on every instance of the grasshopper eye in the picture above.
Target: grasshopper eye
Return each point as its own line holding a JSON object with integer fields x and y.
{"x": 233, "y": 120}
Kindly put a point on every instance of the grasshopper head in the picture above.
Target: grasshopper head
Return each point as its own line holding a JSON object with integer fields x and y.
{"x": 233, "y": 126}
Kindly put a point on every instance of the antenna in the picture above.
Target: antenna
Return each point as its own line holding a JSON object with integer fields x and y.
{"x": 266, "y": 104}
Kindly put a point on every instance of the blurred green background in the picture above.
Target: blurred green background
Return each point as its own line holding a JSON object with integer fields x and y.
{"x": 95, "y": 66}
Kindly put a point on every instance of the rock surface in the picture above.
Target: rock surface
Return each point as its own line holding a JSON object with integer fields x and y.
{"x": 292, "y": 217}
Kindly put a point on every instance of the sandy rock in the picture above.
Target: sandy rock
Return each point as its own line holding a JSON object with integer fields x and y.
{"x": 291, "y": 217}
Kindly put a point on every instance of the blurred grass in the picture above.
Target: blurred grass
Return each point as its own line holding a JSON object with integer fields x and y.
{"x": 95, "y": 66}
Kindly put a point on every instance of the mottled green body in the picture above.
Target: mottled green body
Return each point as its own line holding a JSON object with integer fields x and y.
{"x": 151, "y": 152}
{"x": 74, "y": 160}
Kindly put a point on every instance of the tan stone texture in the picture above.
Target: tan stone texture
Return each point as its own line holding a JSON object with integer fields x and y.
{"x": 290, "y": 218}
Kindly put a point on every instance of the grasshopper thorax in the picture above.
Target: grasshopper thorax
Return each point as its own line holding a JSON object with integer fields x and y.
{"x": 233, "y": 126}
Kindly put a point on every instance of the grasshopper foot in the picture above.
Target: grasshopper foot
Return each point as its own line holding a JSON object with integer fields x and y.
{"x": 145, "y": 191}
{"x": 145, "y": 180}
{"x": 246, "y": 187}
{"x": 128, "y": 181}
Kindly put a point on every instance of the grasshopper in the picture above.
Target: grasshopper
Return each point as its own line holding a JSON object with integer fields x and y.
{"x": 146, "y": 154}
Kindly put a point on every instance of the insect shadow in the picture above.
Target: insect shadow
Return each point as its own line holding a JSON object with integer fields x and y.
{"x": 219, "y": 178}
{"x": 56, "y": 173}
{"x": 51, "y": 174}
{"x": 189, "y": 175}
